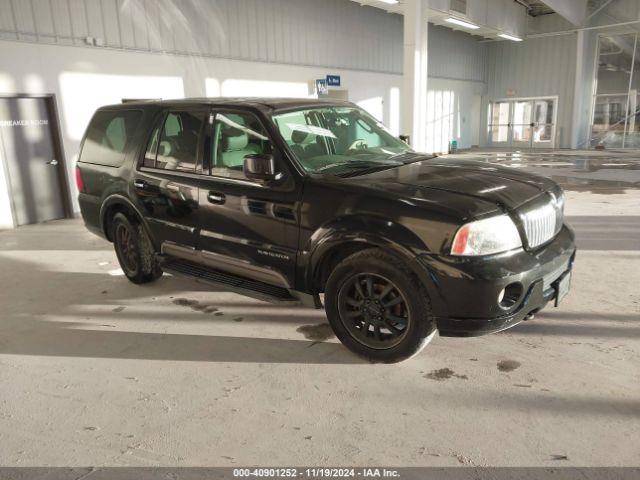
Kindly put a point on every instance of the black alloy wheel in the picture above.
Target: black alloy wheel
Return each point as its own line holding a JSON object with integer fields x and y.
{"x": 134, "y": 250}
{"x": 378, "y": 307}
{"x": 373, "y": 310}
{"x": 127, "y": 248}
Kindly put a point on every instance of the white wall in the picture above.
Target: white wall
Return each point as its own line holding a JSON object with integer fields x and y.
{"x": 52, "y": 58}
{"x": 453, "y": 113}
{"x": 84, "y": 79}
{"x": 6, "y": 217}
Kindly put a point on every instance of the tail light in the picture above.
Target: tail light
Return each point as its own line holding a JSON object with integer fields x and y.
{"x": 79, "y": 182}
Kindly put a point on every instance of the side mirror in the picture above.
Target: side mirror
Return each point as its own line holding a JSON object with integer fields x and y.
{"x": 260, "y": 167}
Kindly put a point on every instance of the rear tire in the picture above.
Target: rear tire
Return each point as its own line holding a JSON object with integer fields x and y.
{"x": 134, "y": 250}
{"x": 378, "y": 308}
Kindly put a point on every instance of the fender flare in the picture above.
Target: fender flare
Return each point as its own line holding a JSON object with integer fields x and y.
{"x": 375, "y": 232}
{"x": 117, "y": 199}
{"x": 368, "y": 230}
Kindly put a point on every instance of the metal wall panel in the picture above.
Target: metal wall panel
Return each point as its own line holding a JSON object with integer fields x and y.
{"x": 456, "y": 55}
{"x": 61, "y": 21}
{"x": 95, "y": 18}
{"x": 24, "y": 20}
{"x": 78, "y": 15}
{"x": 535, "y": 68}
{"x": 43, "y": 18}
{"x": 7, "y": 22}
{"x": 330, "y": 33}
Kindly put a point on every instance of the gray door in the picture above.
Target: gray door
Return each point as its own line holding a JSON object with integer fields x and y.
{"x": 28, "y": 154}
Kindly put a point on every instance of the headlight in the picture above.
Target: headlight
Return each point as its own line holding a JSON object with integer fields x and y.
{"x": 484, "y": 237}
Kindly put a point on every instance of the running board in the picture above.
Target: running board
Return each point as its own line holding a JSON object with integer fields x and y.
{"x": 228, "y": 282}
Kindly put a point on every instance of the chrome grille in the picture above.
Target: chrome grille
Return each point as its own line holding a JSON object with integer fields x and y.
{"x": 543, "y": 221}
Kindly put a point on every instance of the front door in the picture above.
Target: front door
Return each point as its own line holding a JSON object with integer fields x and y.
{"x": 544, "y": 128}
{"x": 35, "y": 174}
{"x": 500, "y": 123}
{"x": 167, "y": 183}
{"x": 246, "y": 228}
{"x": 523, "y": 123}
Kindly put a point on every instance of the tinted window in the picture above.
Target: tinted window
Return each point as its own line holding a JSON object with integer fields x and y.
{"x": 178, "y": 146}
{"x": 152, "y": 148}
{"x": 108, "y": 135}
{"x": 236, "y": 135}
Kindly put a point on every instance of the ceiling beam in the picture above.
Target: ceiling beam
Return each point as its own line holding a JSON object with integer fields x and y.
{"x": 574, "y": 11}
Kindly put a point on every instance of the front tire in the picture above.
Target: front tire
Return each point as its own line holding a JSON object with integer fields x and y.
{"x": 378, "y": 308}
{"x": 134, "y": 250}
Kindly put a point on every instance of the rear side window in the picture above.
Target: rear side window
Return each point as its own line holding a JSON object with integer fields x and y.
{"x": 175, "y": 147}
{"x": 108, "y": 135}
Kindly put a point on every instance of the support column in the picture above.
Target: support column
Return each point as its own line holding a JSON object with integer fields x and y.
{"x": 414, "y": 92}
{"x": 577, "y": 124}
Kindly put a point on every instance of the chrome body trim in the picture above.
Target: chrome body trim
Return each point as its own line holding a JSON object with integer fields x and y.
{"x": 233, "y": 265}
{"x": 243, "y": 241}
{"x": 178, "y": 250}
{"x": 238, "y": 266}
{"x": 171, "y": 224}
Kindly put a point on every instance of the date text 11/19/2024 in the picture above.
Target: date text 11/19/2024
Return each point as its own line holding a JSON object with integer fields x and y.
{"x": 312, "y": 473}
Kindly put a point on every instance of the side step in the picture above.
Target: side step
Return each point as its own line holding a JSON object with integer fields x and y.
{"x": 227, "y": 281}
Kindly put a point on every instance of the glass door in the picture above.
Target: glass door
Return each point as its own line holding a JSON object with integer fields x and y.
{"x": 543, "y": 123}
{"x": 500, "y": 123}
{"x": 522, "y": 123}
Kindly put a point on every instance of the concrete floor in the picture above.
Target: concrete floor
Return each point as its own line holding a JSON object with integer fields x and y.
{"x": 97, "y": 371}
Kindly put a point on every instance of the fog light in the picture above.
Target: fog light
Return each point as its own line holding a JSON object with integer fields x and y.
{"x": 510, "y": 295}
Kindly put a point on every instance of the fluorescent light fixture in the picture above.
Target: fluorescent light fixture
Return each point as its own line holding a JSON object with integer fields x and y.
{"x": 510, "y": 37}
{"x": 461, "y": 23}
{"x": 390, "y": 2}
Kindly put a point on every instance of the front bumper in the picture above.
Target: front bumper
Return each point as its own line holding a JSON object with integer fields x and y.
{"x": 464, "y": 290}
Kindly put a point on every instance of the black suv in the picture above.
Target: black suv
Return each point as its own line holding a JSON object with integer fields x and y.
{"x": 285, "y": 200}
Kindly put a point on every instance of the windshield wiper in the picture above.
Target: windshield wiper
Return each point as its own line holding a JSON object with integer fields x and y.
{"x": 364, "y": 171}
{"x": 416, "y": 157}
{"x": 358, "y": 164}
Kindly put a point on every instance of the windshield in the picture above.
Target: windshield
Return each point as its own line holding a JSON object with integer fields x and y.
{"x": 339, "y": 139}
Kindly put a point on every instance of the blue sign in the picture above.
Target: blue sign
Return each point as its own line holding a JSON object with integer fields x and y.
{"x": 321, "y": 86}
{"x": 333, "y": 80}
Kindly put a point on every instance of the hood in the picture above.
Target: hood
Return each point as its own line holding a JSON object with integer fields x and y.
{"x": 503, "y": 186}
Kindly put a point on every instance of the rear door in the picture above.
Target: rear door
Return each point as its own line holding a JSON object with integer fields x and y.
{"x": 167, "y": 184}
{"x": 246, "y": 227}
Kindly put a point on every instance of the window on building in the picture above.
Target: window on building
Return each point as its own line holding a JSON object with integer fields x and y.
{"x": 615, "y": 105}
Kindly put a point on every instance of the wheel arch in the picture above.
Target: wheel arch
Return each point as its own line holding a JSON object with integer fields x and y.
{"x": 119, "y": 204}
{"x": 341, "y": 238}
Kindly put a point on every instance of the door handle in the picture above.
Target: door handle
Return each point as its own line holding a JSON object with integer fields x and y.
{"x": 215, "y": 197}
{"x": 53, "y": 162}
{"x": 140, "y": 184}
